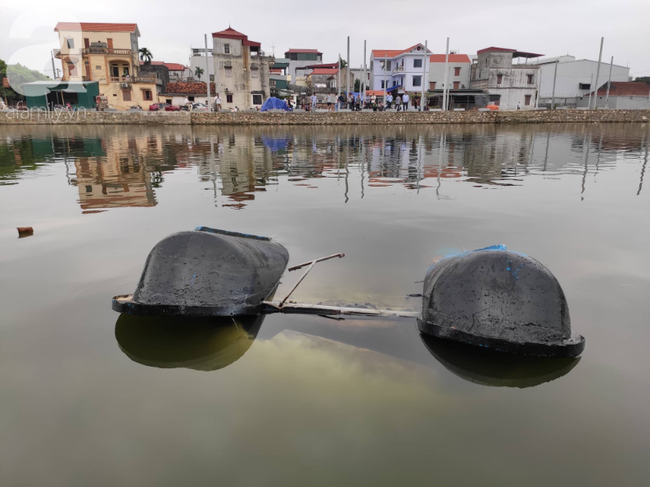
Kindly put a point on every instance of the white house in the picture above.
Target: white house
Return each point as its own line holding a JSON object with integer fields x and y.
{"x": 404, "y": 70}
{"x": 515, "y": 84}
{"x": 459, "y": 66}
{"x": 575, "y": 78}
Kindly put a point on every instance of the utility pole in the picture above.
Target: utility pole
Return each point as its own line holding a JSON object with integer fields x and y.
{"x": 539, "y": 88}
{"x": 363, "y": 83}
{"x": 53, "y": 67}
{"x": 609, "y": 82}
{"x": 600, "y": 58}
{"x": 338, "y": 81}
{"x": 446, "y": 79}
{"x": 207, "y": 70}
{"x": 347, "y": 84}
{"x": 385, "y": 87}
{"x": 424, "y": 73}
{"x": 554, "y": 80}
{"x": 591, "y": 85}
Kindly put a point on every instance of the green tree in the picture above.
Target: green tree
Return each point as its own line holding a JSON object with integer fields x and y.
{"x": 643, "y": 79}
{"x": 198, "y": 72}
{"x": 18, "y": 75}
{"x": 145, "y": 55}
{"x": 343, "y": 63}
{"x": 357, "y": 85}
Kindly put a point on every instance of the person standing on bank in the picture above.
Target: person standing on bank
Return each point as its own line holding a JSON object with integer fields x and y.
{"x": 398, "y": 103}
{"x": 389, "y": 101}
{"x": 406, "y": 99}
{"x": 341, "y": 102}
{"x": 314, "y": 100}
{"x": 217, "y": 103}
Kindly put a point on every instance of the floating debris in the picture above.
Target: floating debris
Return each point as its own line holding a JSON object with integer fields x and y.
{"x": 25, "y": 232}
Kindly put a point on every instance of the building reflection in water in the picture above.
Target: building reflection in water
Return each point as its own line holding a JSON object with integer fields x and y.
{"x": 122, "y": 166}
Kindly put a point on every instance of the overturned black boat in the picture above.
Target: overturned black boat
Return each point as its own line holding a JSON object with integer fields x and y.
{"x": 491, "y": 297}
{"x": 498, "y": 299}
{"x": 207, "y": 272}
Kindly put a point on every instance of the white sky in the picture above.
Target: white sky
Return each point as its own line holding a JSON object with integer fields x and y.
{"x": 549, "y": 27}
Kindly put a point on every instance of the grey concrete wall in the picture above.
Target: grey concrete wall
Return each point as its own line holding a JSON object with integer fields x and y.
{"x": 307, "y": 118}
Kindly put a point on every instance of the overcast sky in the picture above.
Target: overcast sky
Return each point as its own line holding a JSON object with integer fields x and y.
{"x": 170, "y": 27}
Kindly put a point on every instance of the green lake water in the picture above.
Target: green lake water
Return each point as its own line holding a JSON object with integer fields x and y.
{"x": 89, "y": 398}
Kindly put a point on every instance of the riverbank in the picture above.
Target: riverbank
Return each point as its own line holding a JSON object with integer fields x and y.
{"x": 41, "y": 117}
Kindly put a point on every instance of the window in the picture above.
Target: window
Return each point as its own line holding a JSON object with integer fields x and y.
{"x": 98, "y": 68}
{"x": 432, "y": 85}
{"x": 584, "y": 86}
{"x": 499, "y": 78}
{"x": 168, "y": 101}
{"x": 228, "y": 72}
{"x": 257, "y": 99}
{"x": 382, "y": 84}
{"x": 190, "y": 98}
{"x": 417, "y": 63}
{"x": 456, "y": 85}
{"x": 530, "y": 79}
{"x": 456, "y": 71}
{"x": 386, "y": 65}
{"x": 70, "y": 42}
{"x": 212, "y": 78}
{"x": 417, "y": 80}
{"x": 226, "y": 48}
{"x": 394, "y": 82}
{"x": 527, "y": 102}
{"x": 255, "y": 73}
{"x": 89, "y": 189}
{"x": 228, "y": 98}
{"x": 147, "y": 95}
{"x": 126, "y": 95}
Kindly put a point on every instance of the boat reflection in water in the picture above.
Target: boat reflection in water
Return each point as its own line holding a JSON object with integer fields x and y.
{"x": 192, "y": 343}
{"x": 497, "y": 369}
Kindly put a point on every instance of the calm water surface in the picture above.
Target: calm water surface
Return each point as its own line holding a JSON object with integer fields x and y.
{"x": 92, "y": 399}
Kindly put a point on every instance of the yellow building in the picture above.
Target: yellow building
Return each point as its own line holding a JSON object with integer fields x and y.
{"x": 107, "y": 53}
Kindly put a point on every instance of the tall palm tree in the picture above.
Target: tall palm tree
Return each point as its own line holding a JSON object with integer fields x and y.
{"x": 145, "y": 55}
{"x": 198, "y": 72}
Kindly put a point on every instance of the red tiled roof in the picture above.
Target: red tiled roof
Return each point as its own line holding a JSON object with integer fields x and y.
{"x": 379, "y": 53}
{"x": 453, "y": 58}
{"x": 324, "y": 71}
{"x": 175, "y": 66}
{"x": 231, "y": 33}
{"x": 189, "y": 88}
{"x": 624, "y": 88}
{"x": 311, "y": 51}
{"x": 496, "y": 49}
{"x": 95, "y": 27}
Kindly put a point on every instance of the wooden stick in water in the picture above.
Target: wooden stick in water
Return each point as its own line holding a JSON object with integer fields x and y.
{"x": 310, "y": 264}
{"x": 318, "y": 309}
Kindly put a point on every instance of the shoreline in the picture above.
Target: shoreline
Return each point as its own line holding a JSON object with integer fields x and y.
{"x": 83, "y": 117}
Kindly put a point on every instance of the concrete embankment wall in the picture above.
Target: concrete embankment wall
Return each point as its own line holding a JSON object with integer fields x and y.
{"x": 303, "y": 118}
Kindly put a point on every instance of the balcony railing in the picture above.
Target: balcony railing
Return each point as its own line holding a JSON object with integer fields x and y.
{"x": 398, "y": 69}
{"x": 124, "y": 79}
{"x": 105, "y": 50}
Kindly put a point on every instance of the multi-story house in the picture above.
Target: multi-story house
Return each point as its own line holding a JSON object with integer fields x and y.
{"x": 575, "y": 79}
{"x": 516, "y": 84}
{"x": 401, "y": 70}
{"x": 299, "y": 58}
{"x": 459, "y": 66}
{"x": 241, "y": 70}
{"x": 108, "y": 54}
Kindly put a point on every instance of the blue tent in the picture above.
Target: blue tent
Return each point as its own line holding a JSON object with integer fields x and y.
{"x": 273, "y": 103}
